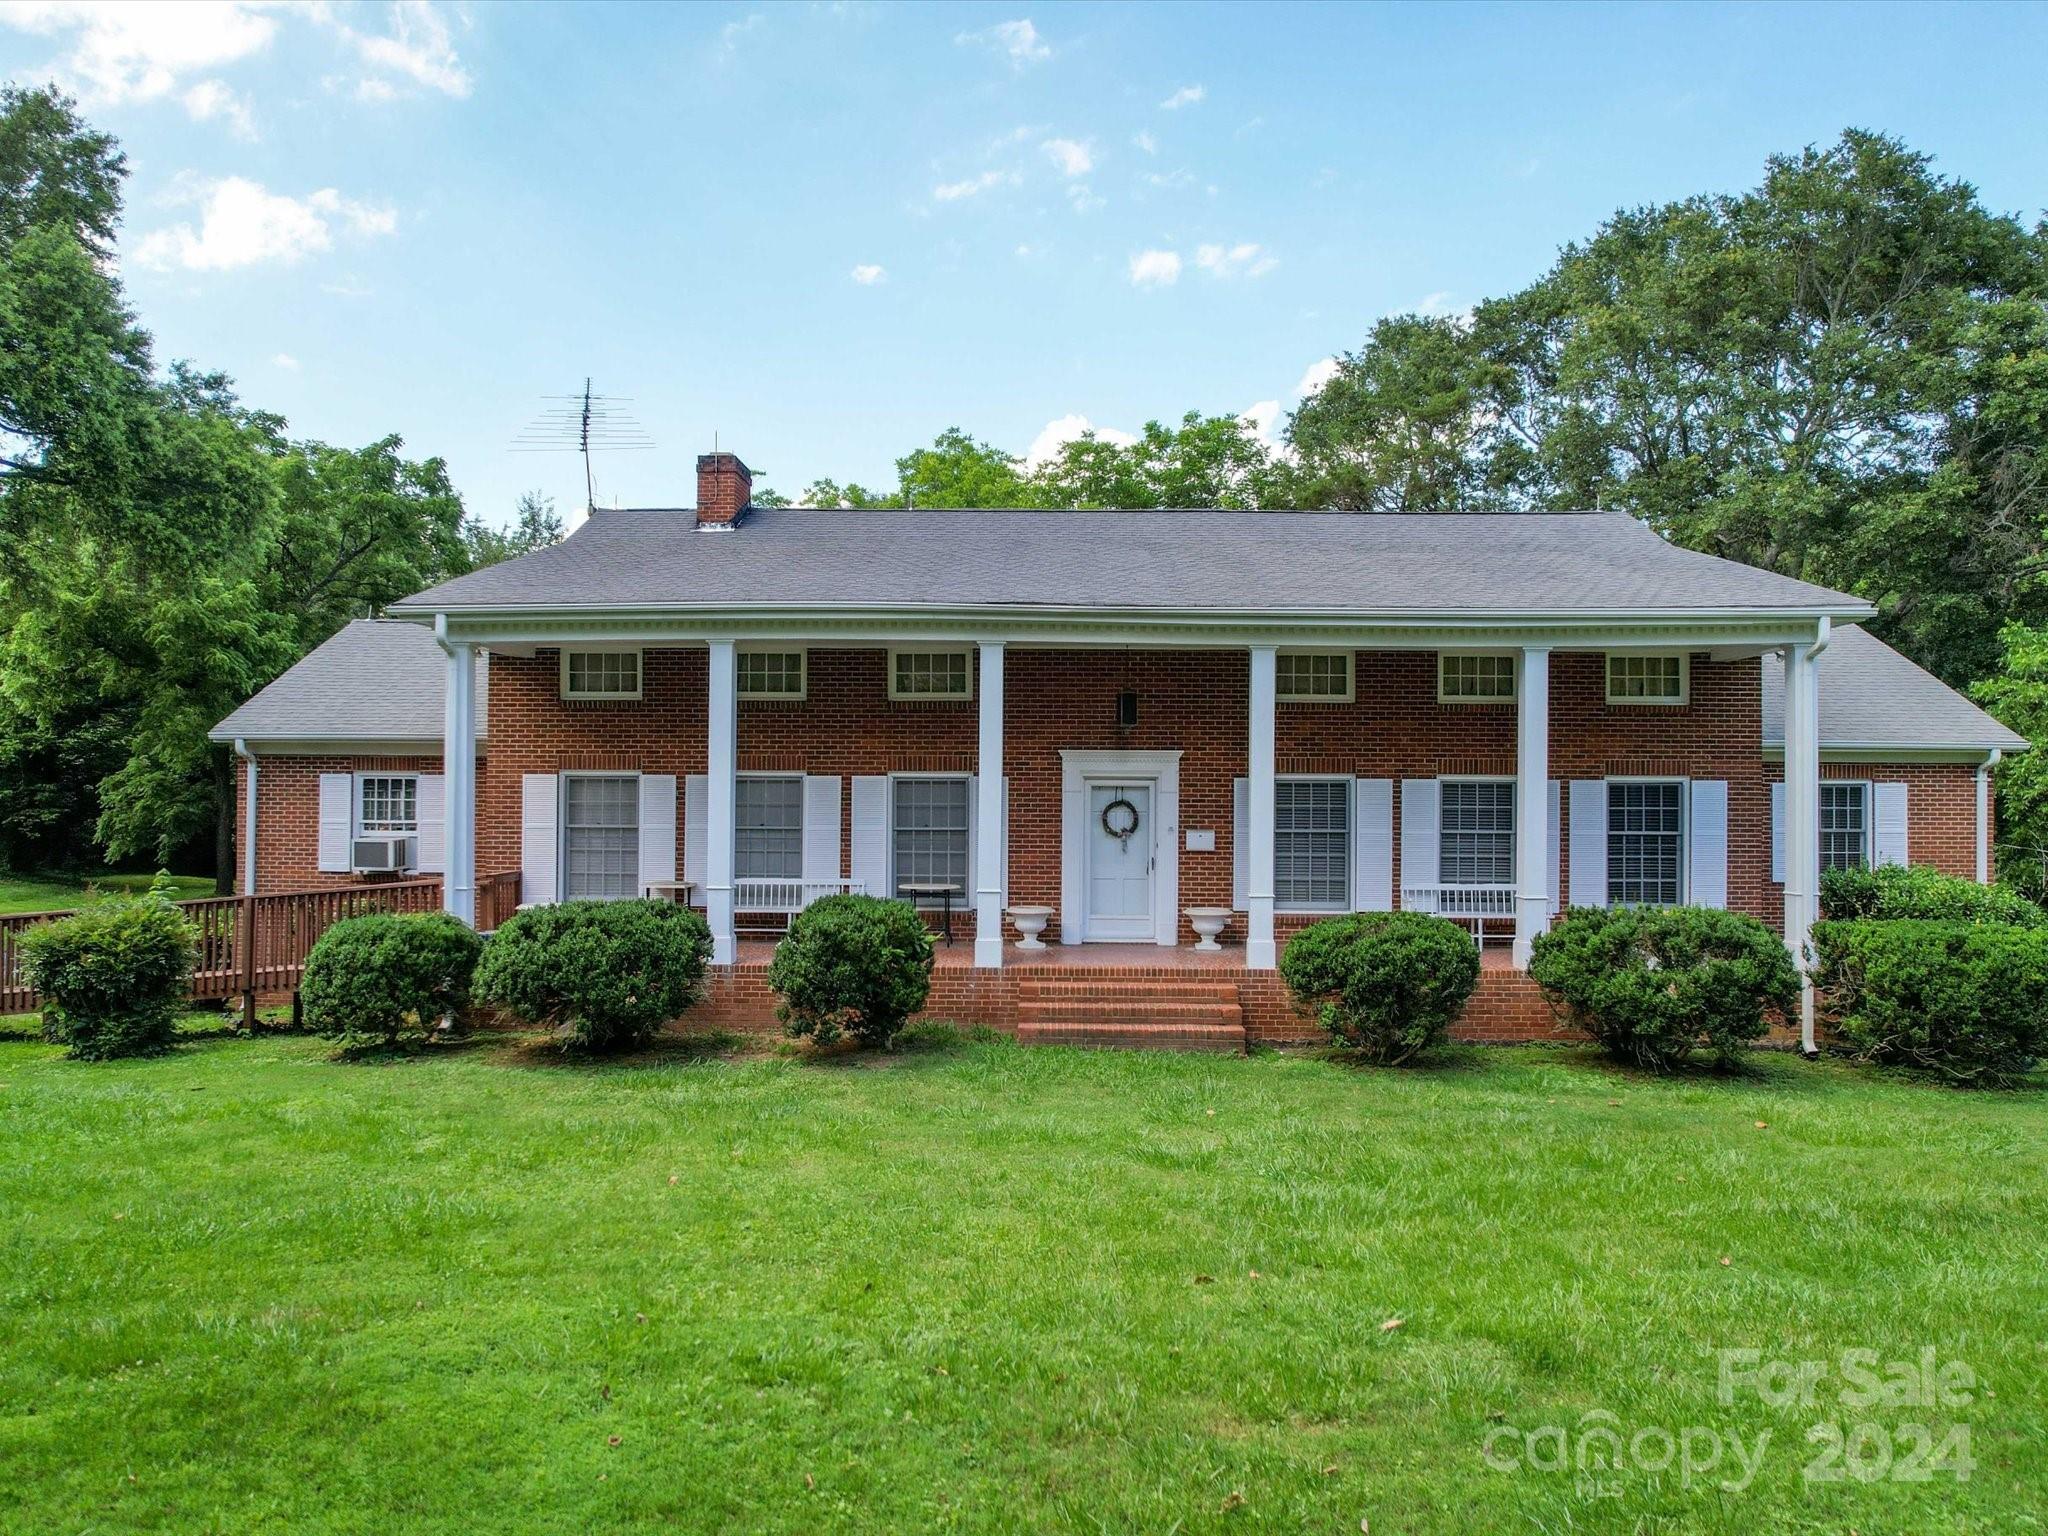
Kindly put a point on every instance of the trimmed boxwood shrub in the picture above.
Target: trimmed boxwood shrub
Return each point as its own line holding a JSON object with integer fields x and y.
{"x": 852, "y": 965}
{"x": 603, "y": 975}
{"x": 113, "y": 977}
{"x": 1966, "y": 1001}
{"x": 1899, "y": 890}
{"x": 373, "y": 980}
{"x": 1385, "y": 984}
{"x": 1655, "y": 984}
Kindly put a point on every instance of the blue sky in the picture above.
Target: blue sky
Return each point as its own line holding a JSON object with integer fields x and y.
{"x": 827, "y": 232}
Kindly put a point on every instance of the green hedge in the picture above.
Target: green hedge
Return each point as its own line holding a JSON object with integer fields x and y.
{"x": 603, "y": 975}
{"x": 113, "y": 977}
{"x": 1967, "y": 1001}
{"x": 1385, "y": 984}
{"x": 377, "y": 979}
{"x": 1901, "y": 891}
{"x": 1655, "y": 984}
{"x": 856, "y": 965}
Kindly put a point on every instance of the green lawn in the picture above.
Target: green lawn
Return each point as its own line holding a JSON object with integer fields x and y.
{"x": 52, "y": 892}
{"x": 245, "y": 1288}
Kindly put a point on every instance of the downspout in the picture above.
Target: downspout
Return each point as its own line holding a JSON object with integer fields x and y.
{"x": 1809, "y": 896}
{"x": 248, "y": 820}
{"x": 1991, "y": 760}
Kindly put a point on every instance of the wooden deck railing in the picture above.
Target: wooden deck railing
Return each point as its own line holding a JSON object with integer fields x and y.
{"x": 252, "y": 944}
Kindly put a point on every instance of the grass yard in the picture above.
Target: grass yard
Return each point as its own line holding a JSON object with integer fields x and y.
{"x": 245, "y": 1288}
{"x": 54, "y": 892}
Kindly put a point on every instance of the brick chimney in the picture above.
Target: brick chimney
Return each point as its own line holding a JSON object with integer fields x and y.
{"x": 724, "y": 487}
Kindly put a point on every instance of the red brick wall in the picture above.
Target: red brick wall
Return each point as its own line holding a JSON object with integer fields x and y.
{"x": 288, "y": 816}
{"x": 1941, "y": 816}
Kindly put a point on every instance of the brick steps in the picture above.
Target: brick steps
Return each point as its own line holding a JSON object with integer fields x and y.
{"x": 1131, "y": 1015}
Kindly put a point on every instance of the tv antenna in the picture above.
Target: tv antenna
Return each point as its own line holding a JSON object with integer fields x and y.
{"x": 584, "y": 423}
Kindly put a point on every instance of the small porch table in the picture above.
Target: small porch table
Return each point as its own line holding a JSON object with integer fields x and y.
{"x": 945, "y": 892}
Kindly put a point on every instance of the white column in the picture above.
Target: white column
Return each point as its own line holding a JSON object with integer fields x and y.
{"x": 989, "y": 830}
{"x": 1983, "y": 813}
{"x": 1532, "y": 799}
{"x": 458, "y": 778}
{"x": 1802, "y": 812}
{"x": 721, "y": 763}
{"x": 249, "y": 820}
{"x": 1260, "y": 952}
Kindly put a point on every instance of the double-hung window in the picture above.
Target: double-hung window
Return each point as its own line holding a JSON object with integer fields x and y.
{"x": 1478, "y": 833}
{"x": 600, "y": 836}
{"x": 387, "y": 802}
{"x": 769, "y": 831}
{"x": 929, "y": 835}
{"x": 1645, "y": 844}
{"x": 1312, "y": 843}
{"x": 1844, "y": 825}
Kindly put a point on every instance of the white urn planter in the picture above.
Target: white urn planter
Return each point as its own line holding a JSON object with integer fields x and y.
{"x": 1208, "y": 923}
{"x": 1030, "y": 923}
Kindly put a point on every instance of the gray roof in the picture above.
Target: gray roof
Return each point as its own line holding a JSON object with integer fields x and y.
{"x": 377, "y": 680}
{"x": 1463, "y": 565}
{"x": 1873, "y": 699}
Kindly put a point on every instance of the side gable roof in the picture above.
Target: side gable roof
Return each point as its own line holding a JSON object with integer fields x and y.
{"x": 375, "y": 682}
{"x": 1872, "y": 699}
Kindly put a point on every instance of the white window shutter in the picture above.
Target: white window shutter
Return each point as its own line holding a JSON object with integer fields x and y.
{"x": 1888, "y": 824}
{"x": 539, "y": 844}
{"x": 1240, "y": 844}
{"x": 337, "y": 821}
{"x": 432, "y": 805}
{"x": 871, "y": 833}
{"x": 1422, "y": 839}
{"x": 973, "y": 840}
{"x": 821, "y": 828}
{"x": 696, "y": 798}
{"x": 657, "y": 829}
{"x": 1555, "y": 843}
{"x": 1372, "y": 845}
{"x": 1003, "y": 883}
{"x": 1778, "y": 832}
{"x": 1589, "y": 843}
{"x": 1709, "y": 842}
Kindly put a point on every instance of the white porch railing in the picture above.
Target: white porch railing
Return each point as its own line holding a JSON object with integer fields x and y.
{"x": 791, "y": 895}
{"x": 1473, "y": 905}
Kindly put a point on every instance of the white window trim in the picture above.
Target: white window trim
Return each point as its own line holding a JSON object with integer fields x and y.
{"x": 1466, "y": 698}
{"x": 965, "y": 900}
{"x": 1350, "y": 693}
{"x": 1684, "y": 829}
{"x": 1869, "y": 820}
{"x": 1350, "y": 899}
{"x": 966, "y": 651}
{"x": 803, "y": 674}
{"x": 639, "y": 671}
{"x": 357, "y": 829}
{"x": 1621, "y": 701}
{"x": 1515, "y": 850}
{"x": 562, "y": 825}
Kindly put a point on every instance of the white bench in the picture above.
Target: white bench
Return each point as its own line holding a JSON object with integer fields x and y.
{"x": 1472, "y": 905}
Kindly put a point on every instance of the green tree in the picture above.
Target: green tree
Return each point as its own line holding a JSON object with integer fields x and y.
{"x": 535, "y": 525}
{"x": 2018, "y": 696}
{"x": 1207, "y": 461}
{"x": 959, "y": 471}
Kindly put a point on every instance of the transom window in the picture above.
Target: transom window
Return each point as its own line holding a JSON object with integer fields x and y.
{"x": 1465, "y": 679}
{"x": 1844, "y": 826}
{"x": 600, "y": 836}
{"x": 1645, "y": 844}
{"x": 1646, "y": 679}
{"x": 1314, "y": 677}
{"x": 771, "y": 674}
{"x": 1478, "y": 845}
{"x": 1312, "y": 843}
{"x": 930, "y": 835}
{"x": 931, "y": 675}
{"x": 387, "y": 802}
{"x": 769, "y": 829}
{"x": 600, "y": 674}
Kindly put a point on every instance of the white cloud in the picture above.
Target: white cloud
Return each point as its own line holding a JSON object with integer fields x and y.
{"x": 1073, "y": 157}
{"x": 286, "y": 361}
{"x": 730, "y": 34}
{"x": 1066, "y": 429}
{"x": 953, "y": 191}
{"x": 140, "y": 52}
{"x": 1155, "y": 269}
{"x": 419, "y": 48}
{"x": 1319, "y": 373}
{"x": 210, "y": 99}
{"x": 1243, "y": 259}
{"x": 1018, "y": 39}
{"x": 1082, "y": 198}
{"x": 1438, "y": 303}
{"x": 242, "y": 225}
{"x": 1171, "y": 181}
{"x": 1262, "y": 417}
{"x": 1186, "y": 96}
{"x": 1145, "y": 142}
{"x": 869, "y": 274}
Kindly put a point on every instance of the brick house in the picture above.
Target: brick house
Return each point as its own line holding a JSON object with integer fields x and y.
{"x": 1119, "y": 725}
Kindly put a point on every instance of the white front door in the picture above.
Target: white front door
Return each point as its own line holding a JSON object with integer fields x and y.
{"x": 1119, "y": 872}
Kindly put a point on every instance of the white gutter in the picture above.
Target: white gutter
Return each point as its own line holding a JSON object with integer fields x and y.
{"x": 1991, "y": 761}
{"x": 248, "y": 820}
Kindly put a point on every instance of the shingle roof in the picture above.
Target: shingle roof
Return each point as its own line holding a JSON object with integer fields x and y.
{"x": 1238, "y": 562}
{"x": 1872, "y": 698}
{"x": 376, "y": 680}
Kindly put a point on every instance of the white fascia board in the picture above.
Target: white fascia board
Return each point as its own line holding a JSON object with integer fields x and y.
{"x": 350, "y": 746}
{"x": 1871, "y": 752}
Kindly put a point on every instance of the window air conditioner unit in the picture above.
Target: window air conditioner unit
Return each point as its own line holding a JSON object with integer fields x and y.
{"x": 385, "y": 854}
